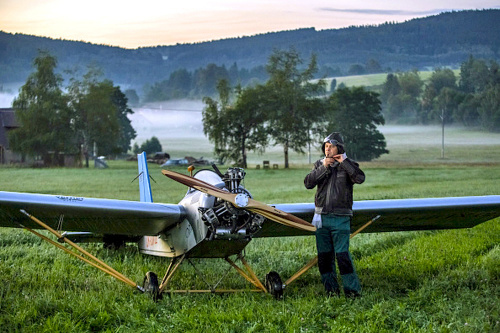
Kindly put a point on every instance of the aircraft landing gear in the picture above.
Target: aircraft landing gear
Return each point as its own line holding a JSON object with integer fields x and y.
{"x": 150, "y": 285}
{"x": 274, "y": 285}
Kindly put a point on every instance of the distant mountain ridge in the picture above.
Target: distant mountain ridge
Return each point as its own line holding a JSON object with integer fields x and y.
{"x": 446, "y": 39}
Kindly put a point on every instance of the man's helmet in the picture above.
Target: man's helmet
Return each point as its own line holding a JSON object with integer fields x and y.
{"x": 335, "y": 139}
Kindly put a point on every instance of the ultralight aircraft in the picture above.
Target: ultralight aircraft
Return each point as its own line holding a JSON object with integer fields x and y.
{"x": 217, "y": 218}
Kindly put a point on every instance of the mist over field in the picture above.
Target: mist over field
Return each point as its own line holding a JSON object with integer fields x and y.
{"x": 178, "y": 125}
{"x": 6, "y": 99}
{"x": 168, "y": 120}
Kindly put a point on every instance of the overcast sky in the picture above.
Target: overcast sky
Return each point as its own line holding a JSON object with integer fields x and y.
{"x": 139, "y": 23}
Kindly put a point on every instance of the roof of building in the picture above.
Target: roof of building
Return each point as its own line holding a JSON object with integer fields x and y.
{"x": 7, "y": 121}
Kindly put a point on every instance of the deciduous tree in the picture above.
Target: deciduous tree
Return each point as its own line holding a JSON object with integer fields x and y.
{"x": 96, "y": 116}
{"x": 355, "y": 113}
{"x": 43, "y": 114}
{"x": 150, "y": 146}
{"x": 236, "y": 128}
{"x": 127, "y": 132}
{"x": 293, "y": 103}
{"x": 440, "y": 96}
{"x": 489, "y": 109}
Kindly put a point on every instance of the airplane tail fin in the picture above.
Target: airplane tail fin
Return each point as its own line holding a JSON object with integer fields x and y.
{"x": 144, "y": 182}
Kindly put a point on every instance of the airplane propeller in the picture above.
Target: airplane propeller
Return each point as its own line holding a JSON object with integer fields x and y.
{"x": 242, "y": 201}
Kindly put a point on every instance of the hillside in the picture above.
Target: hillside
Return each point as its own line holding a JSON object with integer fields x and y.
{"x": 442, "y": 40}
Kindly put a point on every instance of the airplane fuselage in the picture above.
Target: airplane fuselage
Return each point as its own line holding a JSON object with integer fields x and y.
{"x": 211, "y": 228}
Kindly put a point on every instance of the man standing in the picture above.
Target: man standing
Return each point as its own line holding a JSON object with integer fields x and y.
{"x": 334, "y": 177}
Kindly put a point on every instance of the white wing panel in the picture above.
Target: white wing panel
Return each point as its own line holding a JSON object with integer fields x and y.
{"x": 106, "y": 216}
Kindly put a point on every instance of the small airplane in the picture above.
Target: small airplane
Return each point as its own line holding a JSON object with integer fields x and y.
{"x": 217, "y": 218}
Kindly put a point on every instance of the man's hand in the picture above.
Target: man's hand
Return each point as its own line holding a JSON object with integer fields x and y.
{"x": 327, "y": 161}
{"x": 340, "y": 157}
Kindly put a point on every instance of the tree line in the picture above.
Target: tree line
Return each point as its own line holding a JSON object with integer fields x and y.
{"x": 292, "y": 111}
{"x": 472, "y": 99}
{"x": 89, "y": 118}
{"x": 203, "y": 81}
{"x": 440, "y": 40}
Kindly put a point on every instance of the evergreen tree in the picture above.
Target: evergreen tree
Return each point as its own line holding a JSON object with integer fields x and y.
{"x": 389, "y": 97}
{"x": 206, "y": 79}
{"x": 333, "y": 85}
{"x": 179, "y": 84}
{"x": 373, "y": 66}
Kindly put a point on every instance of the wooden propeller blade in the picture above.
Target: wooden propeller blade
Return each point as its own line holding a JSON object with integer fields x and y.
{"x": 252, "y": 205}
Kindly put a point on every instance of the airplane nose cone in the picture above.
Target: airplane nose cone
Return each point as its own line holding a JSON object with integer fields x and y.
{"x": 241, "y": 200}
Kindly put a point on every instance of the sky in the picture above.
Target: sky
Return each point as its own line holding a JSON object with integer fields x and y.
{"x": 142, "y": 23}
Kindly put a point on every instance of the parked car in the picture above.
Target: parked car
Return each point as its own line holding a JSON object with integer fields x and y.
{"x": 176, "y": 162}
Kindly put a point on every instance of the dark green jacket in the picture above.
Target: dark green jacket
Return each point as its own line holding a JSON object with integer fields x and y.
{"x": 335, "y": 184}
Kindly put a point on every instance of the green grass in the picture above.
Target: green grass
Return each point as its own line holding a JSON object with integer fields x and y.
{"x": 370, "y": 80}
{"x": 439, "y": 281}
{"x": 422, "y": 281}
{"x": 408, "y": 145}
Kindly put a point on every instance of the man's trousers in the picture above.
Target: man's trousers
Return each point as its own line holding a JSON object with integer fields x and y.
{"x": 332, "y": 242}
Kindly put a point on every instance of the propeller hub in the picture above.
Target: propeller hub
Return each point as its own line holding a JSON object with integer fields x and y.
{"x": 241, "y": 200}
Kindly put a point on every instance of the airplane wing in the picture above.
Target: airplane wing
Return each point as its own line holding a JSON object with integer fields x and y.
{"x": 401, "y": 214}
{"x": 102, "y": 216}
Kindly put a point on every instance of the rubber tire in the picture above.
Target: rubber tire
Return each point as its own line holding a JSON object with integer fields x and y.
{"x": 274, "y": 285}
{"x": 151, "y": 286}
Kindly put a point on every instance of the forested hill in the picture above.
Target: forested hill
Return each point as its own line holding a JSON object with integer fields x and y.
{"x": 442, "y": 40}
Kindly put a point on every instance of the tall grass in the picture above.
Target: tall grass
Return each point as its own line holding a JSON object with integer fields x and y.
{"x": 446, "y": 281}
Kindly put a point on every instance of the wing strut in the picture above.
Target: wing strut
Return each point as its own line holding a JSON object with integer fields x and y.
{"x": 250, "y": 276}
{"x": 314, "y": 260}
{"x": 92, "y": 260}
{"x": 176, "y": 262}
{"x": 253, "y": 279}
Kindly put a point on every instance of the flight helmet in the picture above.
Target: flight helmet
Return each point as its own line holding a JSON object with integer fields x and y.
{"x": 336, "y": 139}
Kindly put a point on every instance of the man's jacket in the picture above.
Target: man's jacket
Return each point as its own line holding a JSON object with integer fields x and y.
{"x": 335, "y": 182}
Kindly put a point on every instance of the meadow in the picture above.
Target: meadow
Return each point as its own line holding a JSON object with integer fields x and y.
{"x": 426, "y": 281}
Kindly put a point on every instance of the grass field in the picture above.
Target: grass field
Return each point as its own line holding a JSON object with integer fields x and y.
{"x": 371, "y": 80}
{"x": 443, "y": 281}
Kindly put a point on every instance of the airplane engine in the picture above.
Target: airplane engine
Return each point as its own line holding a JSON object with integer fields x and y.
{"x": 225, "y": 221}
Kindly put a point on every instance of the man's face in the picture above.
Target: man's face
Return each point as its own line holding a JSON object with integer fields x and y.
{"x": 331, "y": 150}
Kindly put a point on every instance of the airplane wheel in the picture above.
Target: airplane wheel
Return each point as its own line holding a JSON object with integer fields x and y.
{"x": 151, "y": 286}
{"x": 274, "y": 285}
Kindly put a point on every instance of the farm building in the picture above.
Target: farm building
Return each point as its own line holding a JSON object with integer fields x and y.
{"x": 7, "y": 122}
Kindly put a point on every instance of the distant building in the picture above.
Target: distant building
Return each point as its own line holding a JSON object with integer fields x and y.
{"x": 8, "y": 122}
